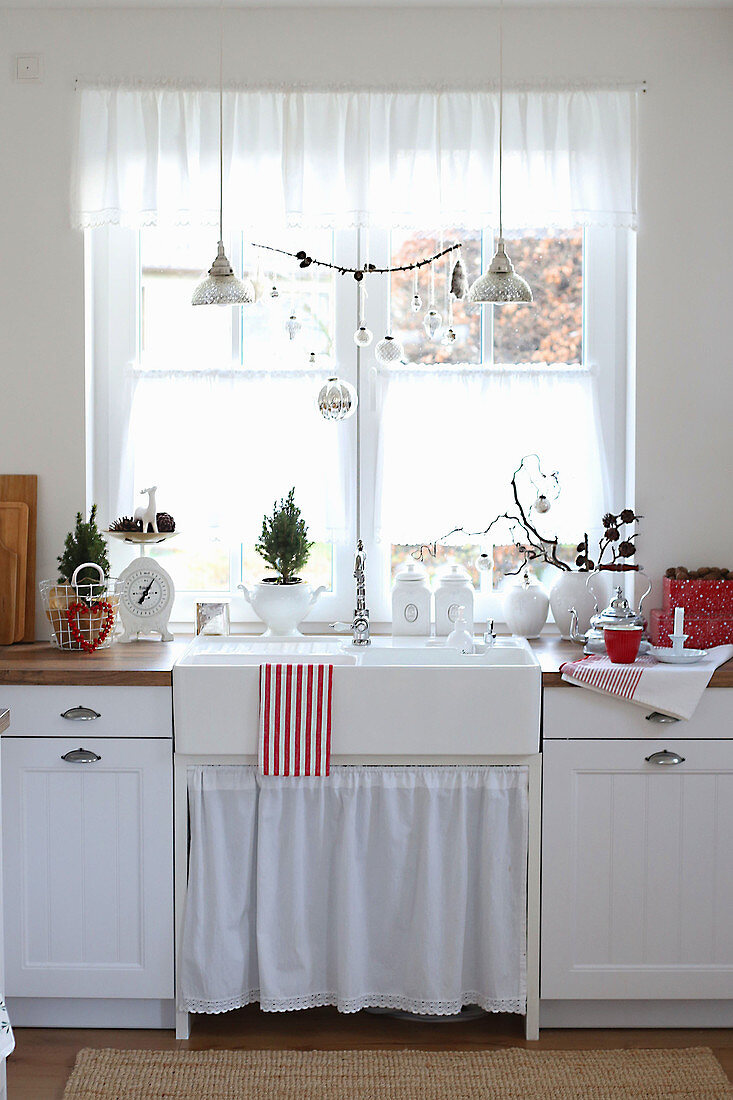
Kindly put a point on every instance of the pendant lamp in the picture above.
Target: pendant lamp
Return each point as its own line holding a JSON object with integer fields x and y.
{"x": 221, "y": 287}
{"x": 500, "y": 284}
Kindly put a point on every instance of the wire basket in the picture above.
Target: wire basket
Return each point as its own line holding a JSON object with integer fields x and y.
{"x": 83, "y": 616}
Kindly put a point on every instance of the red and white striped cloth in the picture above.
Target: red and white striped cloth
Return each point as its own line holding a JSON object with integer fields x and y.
{"x": 672, "y": 689}
{"x": 295, "y": 719}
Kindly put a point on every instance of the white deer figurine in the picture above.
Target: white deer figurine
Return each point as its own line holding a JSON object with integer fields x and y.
{"x": 148, "y": 515}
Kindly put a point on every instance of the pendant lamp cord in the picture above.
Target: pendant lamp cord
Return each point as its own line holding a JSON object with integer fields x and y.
{"x": 221, "y": 121}
{"x": 501, "y": 107}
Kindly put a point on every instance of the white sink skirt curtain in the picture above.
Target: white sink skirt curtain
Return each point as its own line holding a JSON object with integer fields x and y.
{"x": 392, "y": 887}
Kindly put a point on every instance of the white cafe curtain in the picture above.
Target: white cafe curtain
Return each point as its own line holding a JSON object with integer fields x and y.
{"x": 393, "y": 887}
{"x": 149, "y": 156}
{"x": 469, "y": 428}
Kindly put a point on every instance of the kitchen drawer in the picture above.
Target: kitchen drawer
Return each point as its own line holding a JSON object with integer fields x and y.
{"x": 576, "y": 713}
{"x": 35, "y": 711}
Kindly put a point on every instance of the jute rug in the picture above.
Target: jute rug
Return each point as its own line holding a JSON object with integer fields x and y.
{"x": 691, "y": 1074}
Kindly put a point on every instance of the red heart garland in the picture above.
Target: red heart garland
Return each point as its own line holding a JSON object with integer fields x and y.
{"x": 72, "y": 614}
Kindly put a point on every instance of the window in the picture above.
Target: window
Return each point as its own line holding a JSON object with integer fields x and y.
{"x": 217, "y": 407}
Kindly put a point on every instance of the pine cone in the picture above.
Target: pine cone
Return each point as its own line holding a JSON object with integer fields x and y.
{"x": 165, "y": 522}
{"x": 627, "y": 516}
{"x": 612, "y": 534}
{"x": 609, "y": 520}
{"x": 126, "y": 523}
{"x": 626, "y": 549}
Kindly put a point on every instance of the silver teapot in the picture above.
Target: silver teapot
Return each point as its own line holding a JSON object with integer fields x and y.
{"x": 618, "y": 613}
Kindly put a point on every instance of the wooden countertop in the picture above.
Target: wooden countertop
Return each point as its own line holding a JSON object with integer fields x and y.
{"x": 150, "y": 664}
{"x": 141, "y": 664}
{"x": 552, "y": 651}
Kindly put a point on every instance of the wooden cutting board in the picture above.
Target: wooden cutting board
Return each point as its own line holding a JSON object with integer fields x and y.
{"x": 8, "y": 594}
{"x": 14, "y": 517}
{"x": 24, "y": 487}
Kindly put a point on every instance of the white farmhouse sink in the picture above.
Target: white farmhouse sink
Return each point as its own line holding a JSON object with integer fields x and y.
{"x": 401, "y": 697}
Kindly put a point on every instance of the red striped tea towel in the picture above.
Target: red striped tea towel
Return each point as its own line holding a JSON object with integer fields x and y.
{"x": 672, "y": 689}
{"x": 295, "y": 719}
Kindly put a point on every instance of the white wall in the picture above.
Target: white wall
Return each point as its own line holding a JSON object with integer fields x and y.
{"x": 684, "y": 374}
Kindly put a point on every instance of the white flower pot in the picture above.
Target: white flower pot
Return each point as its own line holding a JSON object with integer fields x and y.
{"x": 572, "y": 590}
{"x": 525, "y": 608}
{"x": 281, "y": 606}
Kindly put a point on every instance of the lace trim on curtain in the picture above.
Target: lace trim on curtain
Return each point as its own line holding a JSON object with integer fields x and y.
{"x": 519, "y": 370}
{"x": 356, "y": 1004}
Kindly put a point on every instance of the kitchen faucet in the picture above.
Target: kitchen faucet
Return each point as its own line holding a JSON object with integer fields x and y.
{"x": 359, "y": 627}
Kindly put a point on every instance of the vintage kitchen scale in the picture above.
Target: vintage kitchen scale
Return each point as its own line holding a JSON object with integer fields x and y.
{"x": 619, "y": 612}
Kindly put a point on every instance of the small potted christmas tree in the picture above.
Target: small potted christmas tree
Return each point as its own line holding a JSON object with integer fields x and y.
{"x": 284, "y": 600}
{"x": 82, "y": 605}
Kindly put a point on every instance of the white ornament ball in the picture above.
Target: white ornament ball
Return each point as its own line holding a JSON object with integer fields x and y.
{"x": 389, "y": 350}
{"x": 542, "y": 504}
{"x": 363, "y": 337}
{"x": 337, "y": 400}
{"x": 484, "y": 563}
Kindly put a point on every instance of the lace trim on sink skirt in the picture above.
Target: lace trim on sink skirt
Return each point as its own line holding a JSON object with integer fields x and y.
{"x": 355, "y": 1004}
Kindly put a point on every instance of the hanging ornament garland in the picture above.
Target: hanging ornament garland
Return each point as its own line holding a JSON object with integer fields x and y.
{"x": 358, "y": 273}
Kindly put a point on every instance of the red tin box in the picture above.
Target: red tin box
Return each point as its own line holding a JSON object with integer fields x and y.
{"x": 703, "y": 599}
{"x": 702, "y": 632}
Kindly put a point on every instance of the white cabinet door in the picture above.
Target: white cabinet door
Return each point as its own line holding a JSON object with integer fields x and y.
{"x": 88, "y": 868}
{"x": 637, "y": 870}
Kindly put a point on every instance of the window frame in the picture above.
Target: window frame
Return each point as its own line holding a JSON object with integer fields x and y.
{"x": 113, "y": 343}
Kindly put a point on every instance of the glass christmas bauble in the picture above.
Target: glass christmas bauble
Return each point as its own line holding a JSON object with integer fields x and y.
{"x": 389, "y": 350}
{"x": 416, "y": 303}
{"x": 274, "y": 293}
{"x": 542, "y": 504}
{"x": 292, "y": 326}
{"x": 449, "y": 337}
{"x": 337, "y": 400}
{"x": 432, "y": 322}
{"x": 363, "y": 337}
{"x": 484, "y": 563}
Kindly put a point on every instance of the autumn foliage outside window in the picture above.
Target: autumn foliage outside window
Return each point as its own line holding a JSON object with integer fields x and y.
{"x": 550, "y": 330}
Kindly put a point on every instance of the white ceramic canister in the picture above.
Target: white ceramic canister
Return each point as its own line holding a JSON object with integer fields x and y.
{"x": 411, "y": 600}
{"x": 525, "y": 607}
{"x": 453, "y": 591}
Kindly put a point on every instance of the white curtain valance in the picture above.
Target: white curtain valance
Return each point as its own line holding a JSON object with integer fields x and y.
{"x": 149, "y": 156}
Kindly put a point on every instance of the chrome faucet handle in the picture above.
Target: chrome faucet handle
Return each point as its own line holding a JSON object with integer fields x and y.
{"x": 361, "y": 629}
{"x": 490, "y": 633}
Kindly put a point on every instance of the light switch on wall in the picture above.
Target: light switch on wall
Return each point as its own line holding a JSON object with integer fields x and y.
{"x": 28, "y": 67}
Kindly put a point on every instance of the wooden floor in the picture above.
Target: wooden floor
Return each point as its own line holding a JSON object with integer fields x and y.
{"x": 42, "y": 1061}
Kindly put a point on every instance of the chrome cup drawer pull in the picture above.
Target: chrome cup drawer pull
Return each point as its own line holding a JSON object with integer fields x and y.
{"x": 661, "y": 719}
{"x": 81, "y": 756}
{"x": 665, "y": 757}
{"x": 80, "y": 714}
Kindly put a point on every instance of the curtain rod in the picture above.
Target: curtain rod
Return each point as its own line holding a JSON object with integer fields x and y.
{"x": 538, "y": 85}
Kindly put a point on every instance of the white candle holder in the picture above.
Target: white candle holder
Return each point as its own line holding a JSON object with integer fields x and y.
{"x": 678, "y": 642}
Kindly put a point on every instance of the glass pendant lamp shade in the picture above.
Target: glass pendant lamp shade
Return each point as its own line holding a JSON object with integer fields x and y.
{"x": 221, "y": 287}
{"x": 500, "y": 284}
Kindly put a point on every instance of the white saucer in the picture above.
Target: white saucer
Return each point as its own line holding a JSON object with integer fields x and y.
{"x": 686, "y": 657}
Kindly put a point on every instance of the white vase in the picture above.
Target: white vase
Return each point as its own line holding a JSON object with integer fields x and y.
{"x": 572, "y": 590}
{"x": 525, "y": 608}
{"x": 281, "y": 606}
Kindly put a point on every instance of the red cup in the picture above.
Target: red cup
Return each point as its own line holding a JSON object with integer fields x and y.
{"x": 622, "y": 643}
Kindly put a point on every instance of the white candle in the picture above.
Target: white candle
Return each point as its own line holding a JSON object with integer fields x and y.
{"x": 679, "y": 620}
